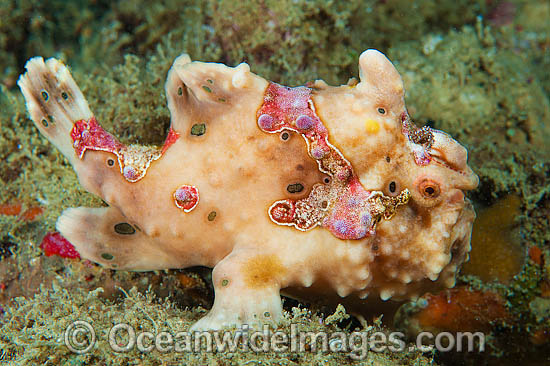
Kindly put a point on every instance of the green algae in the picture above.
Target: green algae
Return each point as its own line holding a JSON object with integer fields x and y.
{"x": 277, "y": 37}
{"x": 29, "y": 28}
{"x": 292, "y": 42}
{"x": 34, "y": 332}
{"x": 471, "y": 87}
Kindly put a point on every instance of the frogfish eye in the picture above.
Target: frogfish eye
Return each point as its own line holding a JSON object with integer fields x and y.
{"x": 429, "y": 188}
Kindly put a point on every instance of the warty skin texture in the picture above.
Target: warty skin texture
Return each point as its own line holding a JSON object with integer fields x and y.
{"x": 240, "y": 170}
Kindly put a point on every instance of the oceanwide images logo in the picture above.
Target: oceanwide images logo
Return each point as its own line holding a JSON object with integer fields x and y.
{"x": 80, "y": 337}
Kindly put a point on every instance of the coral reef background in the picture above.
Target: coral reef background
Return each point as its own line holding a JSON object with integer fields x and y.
{"x": 477, "y": 69}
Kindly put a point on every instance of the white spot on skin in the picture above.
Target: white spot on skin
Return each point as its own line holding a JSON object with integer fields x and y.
{"x": 405, "y": 278}
{"x": 434, "y": 268}
{"x": 343, "y": 291}
{"x": 307, "y": 280}
{"x": 385, "y": 295}
{"x": 386, "y": 249}
{"x": 402, "y": 228}
{"x": 363, "y": 274}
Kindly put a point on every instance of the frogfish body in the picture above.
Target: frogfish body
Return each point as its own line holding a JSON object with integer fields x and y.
{"x": 332, "y": 188}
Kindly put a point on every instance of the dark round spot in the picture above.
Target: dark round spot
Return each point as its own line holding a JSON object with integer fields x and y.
{"x": 45, "y": 95}
{"x": 381, "y": 111}
{"x": 44, "y": 122}
{"x": 64, "y": 95}
{"x": 326, "y": 180}
{"x": 198, "y": 129}
{"x": 285, "y": 136}
{"x": 388, "y": 159}
{"x": 267, "y": 314}
{"x": 212, "y": 216}
{"x": 324, "y": 204}
{"x": 207, "y": 89}
{"x": 210, "y": 81}
{"x": 107, "y": 256}
{"x": 392, "y": 187}
{"x": 225, "y": 282}
{"x": 180, "y": 91}
{"x": 124, "y": 228}
{"x": 429, "y": 191}
{"x": 295, "y": 188}
{"x": 110, "y": 162}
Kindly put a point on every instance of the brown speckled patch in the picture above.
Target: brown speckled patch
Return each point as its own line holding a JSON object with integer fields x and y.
{"x": 261, "y": 270}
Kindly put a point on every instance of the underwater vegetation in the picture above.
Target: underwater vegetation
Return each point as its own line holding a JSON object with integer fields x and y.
{"x": 475, "y": 69}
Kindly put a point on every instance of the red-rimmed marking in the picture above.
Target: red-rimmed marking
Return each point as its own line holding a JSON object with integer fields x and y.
{"x": 133, "y": 160}
{"x": 186, "y": 197}
{"x": 90, "y": 135}
{"x": 346, "y": 212}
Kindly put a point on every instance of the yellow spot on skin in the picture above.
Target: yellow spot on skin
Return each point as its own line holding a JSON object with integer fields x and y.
{"x": 262, "y": 271}
{"x": 372, "y": 126}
